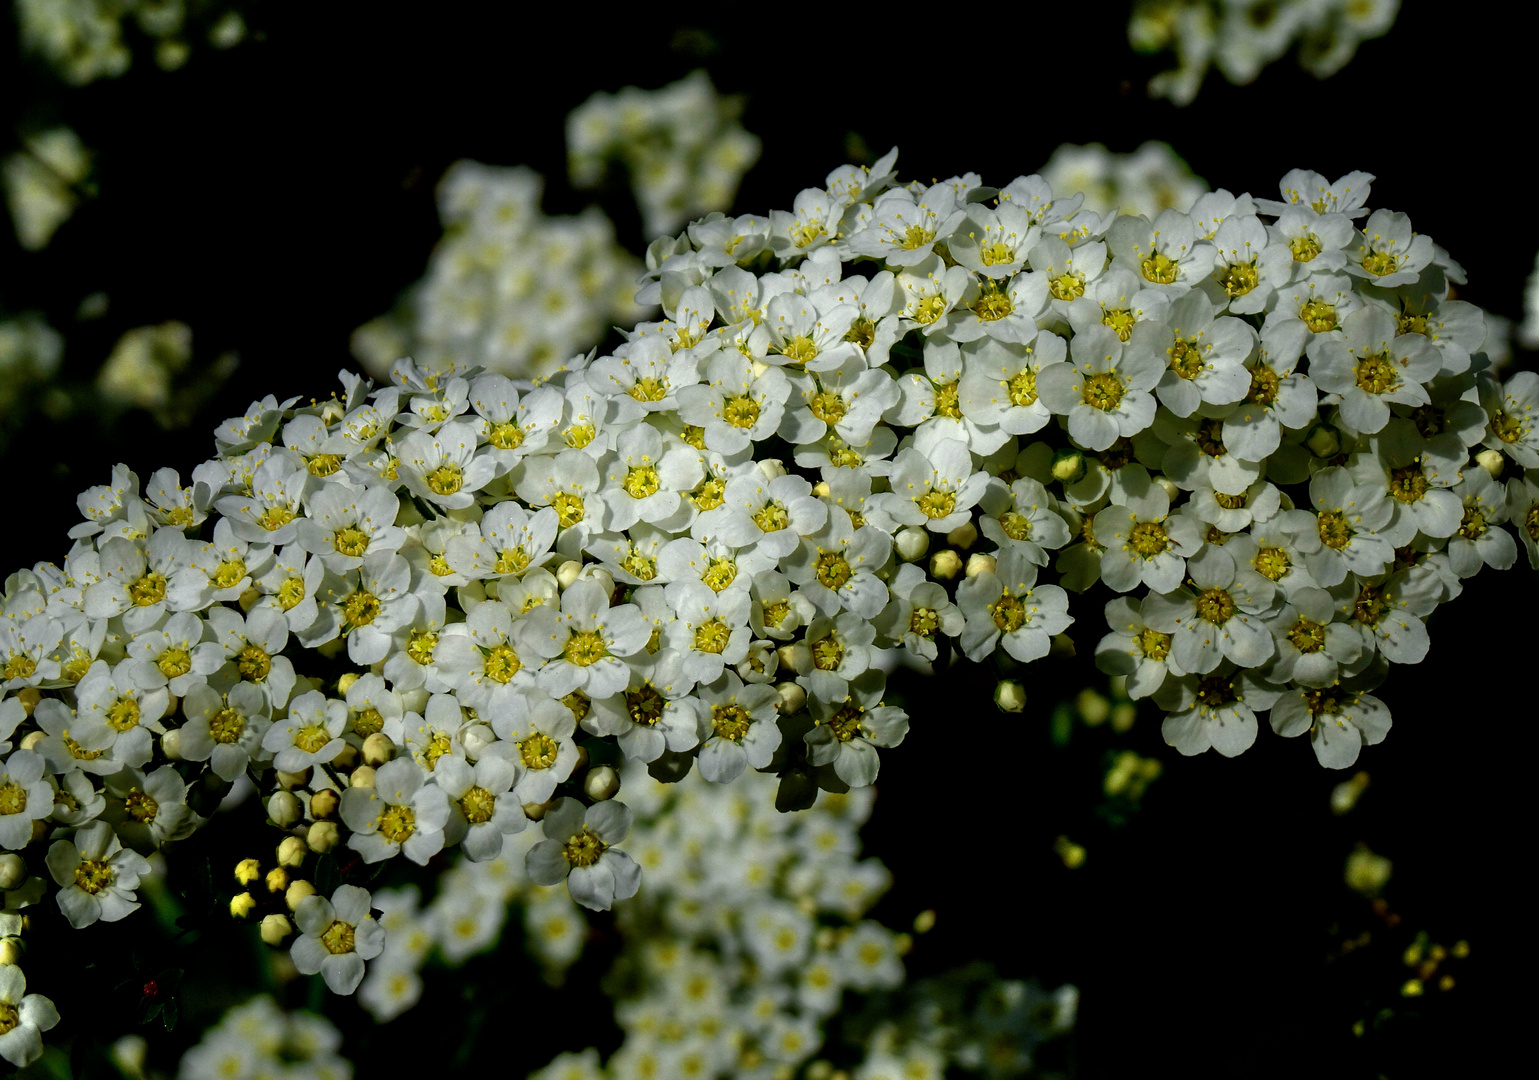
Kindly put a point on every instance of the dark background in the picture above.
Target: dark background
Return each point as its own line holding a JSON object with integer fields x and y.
{"x": 277, "y": 195}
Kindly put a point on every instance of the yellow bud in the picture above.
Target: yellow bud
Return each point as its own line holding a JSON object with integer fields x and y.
{"x": 297, "y": 892}
{"x": 378, "y": 749}
{"x": 903, "y": 944}
{"x": 963, "y": 536}
{"x": 291, "y": 780}
{"x": 822, "y": 490}
{"x": 275, "y": 928}
{"x": 568, "y": 572}
{"x": 249, "y": 598}
{"x": 323, "y": 804}
{"x": 795, "y": 657}
{"x": 945, "y": 565}
{"x": 242, "y": 905}
{"x": 1323, "y": 441}
{"x": 291, "y": 852}
{"x": 345, "y": 759}
{"x": 362, "y": 777}
{"x": 322, "y": 836}
{"x": 1068, "y": 465}
{"x": 924, "y": 922}
{"x": 277, "y": 879}
{"x": 344, "y": 684}
{"x": 247, "y": 871}
{"x": 29, "y": 696}
{"x": 1412, "y": 988}
{"x": 32, "y": 738}
{"x": 534, "y": 811}
{"x": 13, "y": 951}
{"x": 1093, "y": 708}
{"x": 1491, "y": 461}
{"x": 1072, "y": 854}
{"x": 1122, "y": 716}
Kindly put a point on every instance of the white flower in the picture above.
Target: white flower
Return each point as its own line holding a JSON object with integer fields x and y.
{"x": 1105, "y": 391}
{"x": 484, "y": 811}
{"x": 1215, "y": 710}
{"x": 402, "y": 812}
{"x": 580, "y": 850}
{"x": 848, "y": 732}
{"x": 23, "y": 1018}
{"x": 1370, "y": 366}
{"x": 737, "y": 727}
{"x": 310, "y": 735}
{"x": 96, "y": 875}
{"x": 1006, "y": 606}
{"x": 1340, "y": 722}
{"x": 336, "y": 937}
{"x": 25, "y": 797}
{"x": 1218, "y": 618}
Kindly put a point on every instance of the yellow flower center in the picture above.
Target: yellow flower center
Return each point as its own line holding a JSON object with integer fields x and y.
{"x": 584, "y": 648}
{"x": 827, "y": 406}
{"x": 946, "y": 404}
{"x": 1159, "y": 269}
{"x": 799, "y": 349}
{"x": 993, "y": 303}
{"x": 506, "y": 436}
{"x": 149, "y": 589}
{"x": 731, "y": 722}
{"x": 915, "y": 237}
{"x": 1023, "y": 387}
{"x": 253, "y": 662}
{"x": 94, "y": 875}
{"x": 712, "y": 636}
{"x": 740, "y": 411}
{"x": 1008, "y": 613}
{"x": 1408, "y": 483}
{"x": 645, "y": 705}
{"x": 775, "y": 613}
{"x": 1370, "y": 606}
{"x": 123, "y": 714}
{"x": 1272, "y": 563}
{"x": 1148, "y": 538}
{"x": 937, "y": 504}
{"x": 1263, "y": 385}
{"x": 1185, "y": 359}
{"x": 583, "y": 849}
{"x": 827, "y": 654}
{"x": 324, "y": 464}
{"x": 924, "y": 622}
{"x": 351, "y": 541}
{"x": 640, "y": 565}
{"x": 1318, "y": 315}
{"x": 708, "y": 496}
{"x": 832, "y": 571}
{"x": 397, "y": 824}
{"x": 361, "y": 608}
{"x": 1216, "y": 606}
{"x": 1238, "y": 278}
{"x": 1334, "y": 530}
{"x": 229, "y": 573}
{"x": 1066, "y": 286}
{"x": 569, "y": 508}
{"x": 1304, "y": 248}
{"x": 502, "y": 663}
{"x": 1307, "y": 636}
{"x": 275, "y": 517}
{"x": 478, "y": 805}
{"x": 1153, "y": 643}
{"x": 420, "y": 645}
{"x": 312, "y": 738}
{"x": 368, "y": 721}
{"x": 445, "y": 480}
{"x": 1103, "y": 391}
{"x": 1121, "y": 321}
{"x": 338, "y": 938}
{"x": 1379, "y": 263}
{"x": 539, "y": 751}
{"x": 19, "y": 666}
{"x": 641, "y": 482}
{"x": 141, "y": 805}
{"x": 290, "y": 592}
{"x": 1376, "y": 374}
{"x": 174, "y": 661}
{"x": 845, "y": 724}
{"x": 13, "y": 798}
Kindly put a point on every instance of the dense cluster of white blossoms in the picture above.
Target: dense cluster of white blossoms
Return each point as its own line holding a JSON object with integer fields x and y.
{"x": 82, "y": 40}
{"x": 682, "y": 147}
{"x": 1243, "y": 36}
{"x": 1255, "y": 419}
{"x": 508, "y": 288}
{"x": 1148, "y": 180}
{"x": 259, "y": 1039}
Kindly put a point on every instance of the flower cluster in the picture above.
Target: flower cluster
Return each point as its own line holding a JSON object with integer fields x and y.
{"x": 681, "y": 146}
{"x": 30, "y": 351}
{"x": 258, "y": 1038}
{"x": 1245, "y": 36}
{"x": 508, "y": 288}
{"x": 417, "y": 614}
{"x": 40, "y": 183}
{"x": 1150, "y": 179}
{"x": 82, "y": 40}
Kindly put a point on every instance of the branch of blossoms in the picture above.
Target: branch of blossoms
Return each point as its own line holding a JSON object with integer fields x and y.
{"x": 424, "y": 614}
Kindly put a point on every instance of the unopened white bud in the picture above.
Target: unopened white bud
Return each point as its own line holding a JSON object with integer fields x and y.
{"x": 291, "y": 780}
{"x": 945, "y": 565}
{"x": 1068, "y": 465}
{"x": 415, "y": 700}
{"x": 796, "y": 656}
{"x": 13, "y": 951}
{"x": 297, "y": 892}
{"x": 476, "y": 739}
{"x": 291, "y": 852}
{"x": 568, "y": 572}
{"x": 912, "y": 543}
{"x": 1323, "y": 441}
{"x": 32, "y": 738}
{"x": 284, "y": 809}
{"x": 13, "y": 871}
{"x": 322, "y": 836}
{"x": 980, "y": 563}
{"x": 772, "y": 468}
{"x": 378, "y": 749}
{"x": 171, "y": 744}
{"x": 1168, "y": 486}
{"x": 362, "y": 777}
{"x": 605, "y": 579}
{"x": 1492, "y": 462}
{"x": 963, "y": 536}
{"x": 276, "y": 928}
{"x": 1010, "y": 696}
{"x": 792, "y": 698}
{"x": 601, "y": 783}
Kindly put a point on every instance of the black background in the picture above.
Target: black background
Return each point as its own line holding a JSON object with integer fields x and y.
{"x": 277, "y": 195}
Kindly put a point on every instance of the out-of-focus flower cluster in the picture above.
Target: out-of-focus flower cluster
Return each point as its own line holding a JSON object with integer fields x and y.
{"x": 259, "y": 1039}
{"x": 416, "y": 614}
{"x": 84, "y": 40}
{"x": 41, "y": 182}
{"x": 30, "y": 351}
{"x": 681, "y": 147}
{"x": 1151, "y": 179}
{"x": 508, "y": 288}
{"x": 1243, "y": 36}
